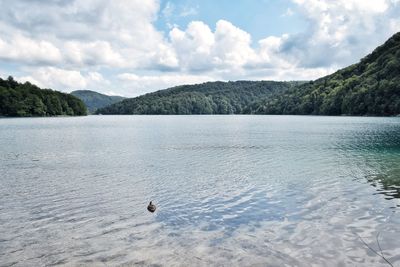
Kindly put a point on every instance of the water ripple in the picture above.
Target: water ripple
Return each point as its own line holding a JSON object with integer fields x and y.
{"x": 230, "y": 190}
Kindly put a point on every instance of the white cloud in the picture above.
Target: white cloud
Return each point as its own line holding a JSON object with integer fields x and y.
{"x": 288, "y": 13}
{"x": 164, "y": 57}
{"x": 92, "y": 32}
{"x": 198, "y": 48}
{"x": 193, "y": 46}
{"x": 188, "y": 11}
{"x": 269, "y": 53}
{"x": 92, "y": 53}
{"x": 168, "y": 10}
{"x": 232, "y": 45}
{"x": 340, "y": 32}
{"x": 171, "y": 10}
{"x": 140, "y": 84}
{"x": 374, "y": 6}
{"x": 292, "y": 74}
{"x": 67, "y": 80}
{"x": 69, "y": 44}
{"x": 23, "y": 49}
{"x": 51, "y": 77}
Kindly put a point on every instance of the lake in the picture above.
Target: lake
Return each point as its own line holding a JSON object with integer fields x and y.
{"x": 229, "y": 190}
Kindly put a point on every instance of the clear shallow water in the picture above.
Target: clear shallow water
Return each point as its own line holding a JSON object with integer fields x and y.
{"x": 230, "y": 190}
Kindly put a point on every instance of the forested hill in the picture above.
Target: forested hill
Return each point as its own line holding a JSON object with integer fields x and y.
{"x": 371, "y": 87}
{"x": 206, "y": 98}
{"x": 94, "y": 100}
{"x": 26, "y": 99}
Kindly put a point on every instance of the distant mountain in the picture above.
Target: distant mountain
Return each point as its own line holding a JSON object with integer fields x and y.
{"x": 28, "y": 100}
{"x": 371, "y": 87}
{"x": 94, "y": 100}
{"x": 206, "y": 98}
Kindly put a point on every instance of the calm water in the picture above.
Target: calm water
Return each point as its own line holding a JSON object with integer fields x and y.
{"x": 230, "y": 190}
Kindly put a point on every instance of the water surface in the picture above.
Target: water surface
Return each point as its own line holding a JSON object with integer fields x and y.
{"x": 230, "y": 190}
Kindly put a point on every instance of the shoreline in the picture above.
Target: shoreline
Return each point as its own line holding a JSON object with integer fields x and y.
{"x": 300, "y": 115}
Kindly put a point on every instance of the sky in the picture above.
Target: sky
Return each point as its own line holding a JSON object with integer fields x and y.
{"x": 132, "y": 47}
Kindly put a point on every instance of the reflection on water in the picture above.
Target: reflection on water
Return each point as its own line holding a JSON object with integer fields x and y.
{"x": 230, "y": 190}
{"x": 380, "y": 148}
{"x": 387, "y": 184}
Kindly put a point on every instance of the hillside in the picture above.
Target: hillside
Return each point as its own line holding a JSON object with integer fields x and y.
{"x": 206, "y": 98}
{"x": 94, "y": 100}
{"x": 26, "y": 100}
{"x": 371, "y": 87}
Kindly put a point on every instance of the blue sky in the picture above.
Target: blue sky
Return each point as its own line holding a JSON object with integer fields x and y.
{"x": 131, "y": 47}
{"x": 260, "y": 18}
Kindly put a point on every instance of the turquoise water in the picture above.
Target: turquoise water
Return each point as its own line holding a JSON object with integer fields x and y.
{"x": 229, "y": 190}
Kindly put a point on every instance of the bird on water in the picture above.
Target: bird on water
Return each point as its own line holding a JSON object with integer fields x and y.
{"x": 151, "y": 207}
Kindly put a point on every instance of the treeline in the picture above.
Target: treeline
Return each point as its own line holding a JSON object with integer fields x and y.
{"x": 206, "y": 98}
{"x": 371, "y": 87}
{"x": 26, "y": 100}
{"x": 94, "y": 100}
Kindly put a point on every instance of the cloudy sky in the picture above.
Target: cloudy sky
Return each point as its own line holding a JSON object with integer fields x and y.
{"x": 130, "y": 47}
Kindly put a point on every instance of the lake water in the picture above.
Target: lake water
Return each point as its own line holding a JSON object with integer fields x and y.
{"x": 229, "y": 190}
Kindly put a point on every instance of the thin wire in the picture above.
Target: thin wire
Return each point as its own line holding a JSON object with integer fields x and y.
{"x": 373, "y": 250}
{"x": 379, "y": 245}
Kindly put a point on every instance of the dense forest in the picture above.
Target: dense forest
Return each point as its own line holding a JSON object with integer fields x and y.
{"x": 206, "y": 98}
{"x": 371, "y": 87}
{"x": 26, "y": 100}
{"x": 94, "y": 100}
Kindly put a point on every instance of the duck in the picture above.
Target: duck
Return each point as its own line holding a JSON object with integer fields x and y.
{"x": 151, "y": 207}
